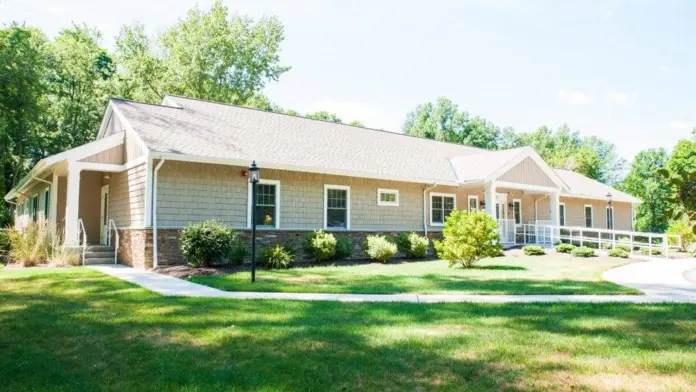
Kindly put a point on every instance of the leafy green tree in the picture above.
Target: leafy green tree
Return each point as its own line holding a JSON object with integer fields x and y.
{"x": 444, "y": 121}
{"x": 208, "y": 55}
{"x": 326, "y": 116}
{"x": 681, "y": 176}
{"x": 556, "y": 147}
{"x": 79, "y": 84}
{"x": 22, "y": 89}
{"x": 644, "y": 182}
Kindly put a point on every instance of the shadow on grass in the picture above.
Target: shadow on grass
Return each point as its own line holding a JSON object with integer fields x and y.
{"x": 92, "y": 332}
{"x": 499, "y": 268}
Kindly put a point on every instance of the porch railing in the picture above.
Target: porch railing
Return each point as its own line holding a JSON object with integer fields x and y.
{"x": 81, "y": 231}
{"x": 112, "y": 226}
{"x": 647, "y": 244}
{"x": 507, "y": 230}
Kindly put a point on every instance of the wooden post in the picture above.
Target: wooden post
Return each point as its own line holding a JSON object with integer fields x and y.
{"x": 631, "y": 252}
{"x": 613, "y": 239}
{"x": 649, "y": 246}
{"x": 581, "y": 237}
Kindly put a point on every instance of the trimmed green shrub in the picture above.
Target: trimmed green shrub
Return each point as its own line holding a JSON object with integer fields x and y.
{"x": 533, "y": 250}
{"x": 278, "y": 256}
{"x": 564, "y": 248}
{"x": 344, "y": 248}
{"x": 582, "y": 251}
{"x": 320, "y": 245}
{"x": 206, "y": 243}
{"x": 467, "y": 238}
{"x": 412, "y": 244}
{"x": 618, "y": 253}
{"x": 655, "y": 251}
{"x": 380, "y": 248}
{"x": 238, "y": 252}
{"x": 606, "y": 246}
{"x": 624, "y": 248}
{"x": 682, "y": 227}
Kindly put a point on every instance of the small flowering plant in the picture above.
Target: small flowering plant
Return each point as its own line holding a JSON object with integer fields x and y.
{"x": 268, "y": 220}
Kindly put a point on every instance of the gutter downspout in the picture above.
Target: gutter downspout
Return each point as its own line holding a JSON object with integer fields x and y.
{"x": 425, "y": 206}
{"x": 155, "y": 258}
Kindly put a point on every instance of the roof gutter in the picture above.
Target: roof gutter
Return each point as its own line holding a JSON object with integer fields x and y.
{"x": 425, "y": 206}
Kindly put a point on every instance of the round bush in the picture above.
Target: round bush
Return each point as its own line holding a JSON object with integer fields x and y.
{"x": 206, "y": 243}
{"x": 565, "y": 248}
{"x": 379, "y": 248}
{"x": 533, "y": 250}
{"x": 655, "y": 251}
{"x": 582, "y": 251}
{"x": 278, "y": 257}
{"x": 468, "y": 238}
{"x": 624, "y": 248}
{"x": 412, "y": 245}
{"x": 618, "y": 253}
{"x": 320, "y": 245}
{"x": 344, "y": 248}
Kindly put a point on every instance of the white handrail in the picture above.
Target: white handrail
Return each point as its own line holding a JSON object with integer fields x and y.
{"x": 81, "y": 228}
{"x": 110, "y": 225}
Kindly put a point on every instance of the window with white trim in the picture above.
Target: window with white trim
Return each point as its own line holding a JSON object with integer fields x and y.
{"x": 267, "y": 204}
{"x": 441, "y": 205}
{"x": 610, "y": 217}
{"x": 336, "y": 207}
{"x": 588, "y": 215}
{"x": 517, "y": 211}
{"x": 35, "y": 208}
{"x": 387, "y": 197}
{"x": 47, "y": 202}
{"x": 473, "y": 203}
{"x": 562, "y": 214}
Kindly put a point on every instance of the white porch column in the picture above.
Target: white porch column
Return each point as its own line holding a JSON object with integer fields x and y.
{"x": 490, "y": 198}
{"x": 53, "y": 212}
{"x": 555, "y": 216}
{"x": 72, "y": 206}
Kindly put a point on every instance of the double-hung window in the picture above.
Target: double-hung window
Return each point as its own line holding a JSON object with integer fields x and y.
{"x": 47, "y": 203}
{"x": 610, "y": 217}
{"x": 267, "y": 204}
{"x": 35, "y": 208}
{"x": 473, "y": 203}
{"x": 562, "y": 214}
{"x": 588, "y": 215}
{"x": 441, "y": 205}
{"x": 336, "y": 207}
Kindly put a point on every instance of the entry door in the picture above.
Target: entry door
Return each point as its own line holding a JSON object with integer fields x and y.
{"x": 104, "y": 216}
{"x": 501, "y": 206}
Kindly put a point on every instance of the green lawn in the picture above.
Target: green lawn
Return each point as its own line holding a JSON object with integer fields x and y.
{"x": 516, "y": 274}
{"x": 73, "y": 330}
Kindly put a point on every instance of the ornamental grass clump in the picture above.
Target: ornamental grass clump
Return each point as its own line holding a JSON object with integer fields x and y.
{"x": 344, "y": 248}
{"x": 278, "y": 257}
{"x": 467, "y": 238}
{"x": 412, "y": 245}
{"x": 320, "y": 245}
{"x": 380, "y": 248}
{"x": 32, "y": 245}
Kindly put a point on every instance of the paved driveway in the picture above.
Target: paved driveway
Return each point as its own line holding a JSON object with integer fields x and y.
{"x": 659, "y": 278}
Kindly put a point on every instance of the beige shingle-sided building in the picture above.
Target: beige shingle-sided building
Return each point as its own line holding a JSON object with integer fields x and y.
{"x": 156, "y": 168}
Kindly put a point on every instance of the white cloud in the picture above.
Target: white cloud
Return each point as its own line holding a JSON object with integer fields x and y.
{"x": 606, "y": 12}
{"x": 573, "y": 97}
{"x": 665, "y": 69}
{"x": 681, "y": 125}
{"x": 620, "y": 98}
{"x": 357, "y": 111}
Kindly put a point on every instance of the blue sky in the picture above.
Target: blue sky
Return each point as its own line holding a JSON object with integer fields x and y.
{"x": 621, "y": 70}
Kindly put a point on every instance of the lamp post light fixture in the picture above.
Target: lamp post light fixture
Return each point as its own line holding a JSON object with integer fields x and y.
{"x": 610, "y": 213}
{"x": 254, "y": 175}
{"x": 609, "y": 198}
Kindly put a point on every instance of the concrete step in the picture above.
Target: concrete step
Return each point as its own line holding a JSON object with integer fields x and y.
{"x": 99, "y": 248}
{"x": 99, "y": 260}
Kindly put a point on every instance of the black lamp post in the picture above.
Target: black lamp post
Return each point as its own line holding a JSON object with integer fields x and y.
{"x": 254, "y": 173}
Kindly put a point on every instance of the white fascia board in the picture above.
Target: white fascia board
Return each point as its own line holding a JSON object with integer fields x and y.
{"x": 306, "y": 169}
{"x": 526, "y": 187}
{"x": 603, "y": 198}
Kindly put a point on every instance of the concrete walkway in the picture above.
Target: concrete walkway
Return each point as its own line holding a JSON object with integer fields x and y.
{"x": 662, "y": 281}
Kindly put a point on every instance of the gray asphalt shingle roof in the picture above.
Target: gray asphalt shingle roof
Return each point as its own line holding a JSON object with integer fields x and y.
{"x": 213, "y": 130}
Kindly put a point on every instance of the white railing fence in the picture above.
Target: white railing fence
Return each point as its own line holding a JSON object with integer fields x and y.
{"x": 639, "y": 243}
{"x": 507, "y": 230}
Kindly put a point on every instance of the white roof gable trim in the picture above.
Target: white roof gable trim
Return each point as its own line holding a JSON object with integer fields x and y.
{"x": 528, "y": 152}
